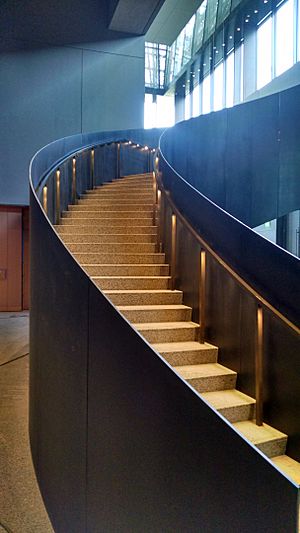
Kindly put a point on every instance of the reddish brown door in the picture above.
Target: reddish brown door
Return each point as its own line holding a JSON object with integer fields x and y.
{"x": 10, "y": 258}
{"x": 25, "y": 257}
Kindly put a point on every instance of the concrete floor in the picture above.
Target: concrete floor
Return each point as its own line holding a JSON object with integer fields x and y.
{"x": 21, "y": 505}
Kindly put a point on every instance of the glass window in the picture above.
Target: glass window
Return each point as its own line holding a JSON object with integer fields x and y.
{"x": 196, "y": 101}
{"x": 187, "y": 106}
{"x": 210, "y": 20}
{"x": 165, "y": 111}
{"x": 149, "y": 112}
{"x": 242, "y": 74}
{"x": 179, "y": 53}
{"x": 284, "y": 37}
{"x": 206, "y": 95}
{"x": 199, "y": 26}
{"x": 159, "y": 112}
{"x": 264, "y": 53}
{"x": 171, "y": 62}
{"x": 188, "y": 40}
{"x": 218, "y": 86}
{"x": 230, "y": 80}
{"x": 223, "y": 10}
{"x": 155, "y": 65}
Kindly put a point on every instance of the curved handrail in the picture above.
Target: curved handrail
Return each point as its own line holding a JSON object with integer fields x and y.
{"x": 263, "y": 301}
{"x": 237, "y": 234}
{"x": 105, "y": 435}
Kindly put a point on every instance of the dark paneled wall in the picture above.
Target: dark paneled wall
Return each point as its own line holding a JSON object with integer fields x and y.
{"x": 62, "y": 72}
{"x": 245, "y": 159}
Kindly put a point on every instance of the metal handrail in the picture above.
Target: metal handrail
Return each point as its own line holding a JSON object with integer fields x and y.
{"x": 206, "y": 248}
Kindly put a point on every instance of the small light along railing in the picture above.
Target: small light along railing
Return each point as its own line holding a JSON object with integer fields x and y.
{"x": 91, "y": 151}
{"x": 163, "y": 198}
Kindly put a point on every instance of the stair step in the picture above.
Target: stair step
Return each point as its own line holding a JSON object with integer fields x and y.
{"x": 152, "y": 313}
{"x": 289, "y": 466}
{"x": 99, "y": 205}
{"x": 126, "y": 269}
{"x": 187, "y": 353}
{"x": 160, "y": 332}
{"x": 107, "y": 238}
{"x": 131, "y": 282}
{"x": 114, "y": 247}
{"x": 108, "y": 222}
{"x": 232, "y": 404}
{"x": 113, "y": 259}
{"x": 269, "y": 440}
{"x": 128, "y": 186}
{"x": 99, "y": 214}
{"x": 98, "y": 200}
{"x": 144, "y": 297}
{"x": 207, "y": 377}
{"x": 106, "y": 193}
{"x": 90, "y": 229}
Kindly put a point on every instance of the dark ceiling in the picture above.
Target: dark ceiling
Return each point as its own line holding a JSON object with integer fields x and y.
{"x": 133, "y": 16}
{"x": 171, "y": 19}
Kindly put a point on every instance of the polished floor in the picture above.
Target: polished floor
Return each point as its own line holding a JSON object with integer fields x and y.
{"x": 21, "y": 505}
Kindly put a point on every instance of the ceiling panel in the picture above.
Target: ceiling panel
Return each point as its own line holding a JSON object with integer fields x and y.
{"x": 170, "y": 20}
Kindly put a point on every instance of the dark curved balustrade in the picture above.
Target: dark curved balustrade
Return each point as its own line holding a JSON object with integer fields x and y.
{"x": 119, "y": 441}
{"x": 245, "y": 159}
{"x": 210, "y": 163}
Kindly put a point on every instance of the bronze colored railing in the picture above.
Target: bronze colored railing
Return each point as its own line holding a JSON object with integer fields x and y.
{"x": 164, "y": 198}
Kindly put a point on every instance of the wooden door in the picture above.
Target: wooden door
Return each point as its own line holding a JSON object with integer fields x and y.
{"x": 25, "y": 257}
{"x": 10, "y": 258}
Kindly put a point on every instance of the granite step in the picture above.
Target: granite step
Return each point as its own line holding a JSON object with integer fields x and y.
{"x": 269, "y": 440}
{"x": 126, "y": 269}
{"x": 87, "y": 238}
{"x": 232, "y": 404}
{"x": 89, "y": 229}
{"x": 208, "y": 377}
{"x": 98, "y": 200}
{"x": 108, "y": 222}
{"x": 129, "y": 195}
{"x": 100, "y": 215}
{"x": 288, "y": 466}
{"x": 87, "y": 258}
{"x": 112, "y": 248}
{"x": 168, "y": 332}
{"x": 153, "y": 313}
{"x": 144, "y": 297}
{"x": 131, "y": 282}
{"x": 187, "y": 353}
{"x": 101, "y": 205}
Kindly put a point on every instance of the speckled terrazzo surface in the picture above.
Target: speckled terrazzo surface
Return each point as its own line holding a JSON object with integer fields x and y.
{"x": 21, "y": 506}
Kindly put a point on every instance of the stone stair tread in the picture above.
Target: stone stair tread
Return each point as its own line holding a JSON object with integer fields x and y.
{"x": 203, "y": 370}
{"x": 111, "y": 292}
{"x": 170, "y": 347}
{"x": 130, "y": 277}
{"x": 289, "y": 466}
{"x": 258, "y": 434}
{"x": 153, "y": 307}
{"x": 146, "y": 326}
{"x": 124, "y": 264}
{"x": 227, "y": 398}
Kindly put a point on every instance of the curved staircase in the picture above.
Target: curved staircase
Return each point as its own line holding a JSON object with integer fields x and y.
{"x": 112, "y": 234}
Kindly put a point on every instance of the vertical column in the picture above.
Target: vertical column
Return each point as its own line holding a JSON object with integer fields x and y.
{"x": 57, "y": 197}
{"x": 45, "y": 199}
{"x": 259, "y": 365}
{"x": 92, "y": 168}
{"x": 202, "y": 295}
{"x": 74, "y": 180}
{"x": 173, "y": 251}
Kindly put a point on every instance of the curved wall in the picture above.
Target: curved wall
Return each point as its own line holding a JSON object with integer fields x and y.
{"x": 245, "y": 159}
{"x": 119, "y": 441}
